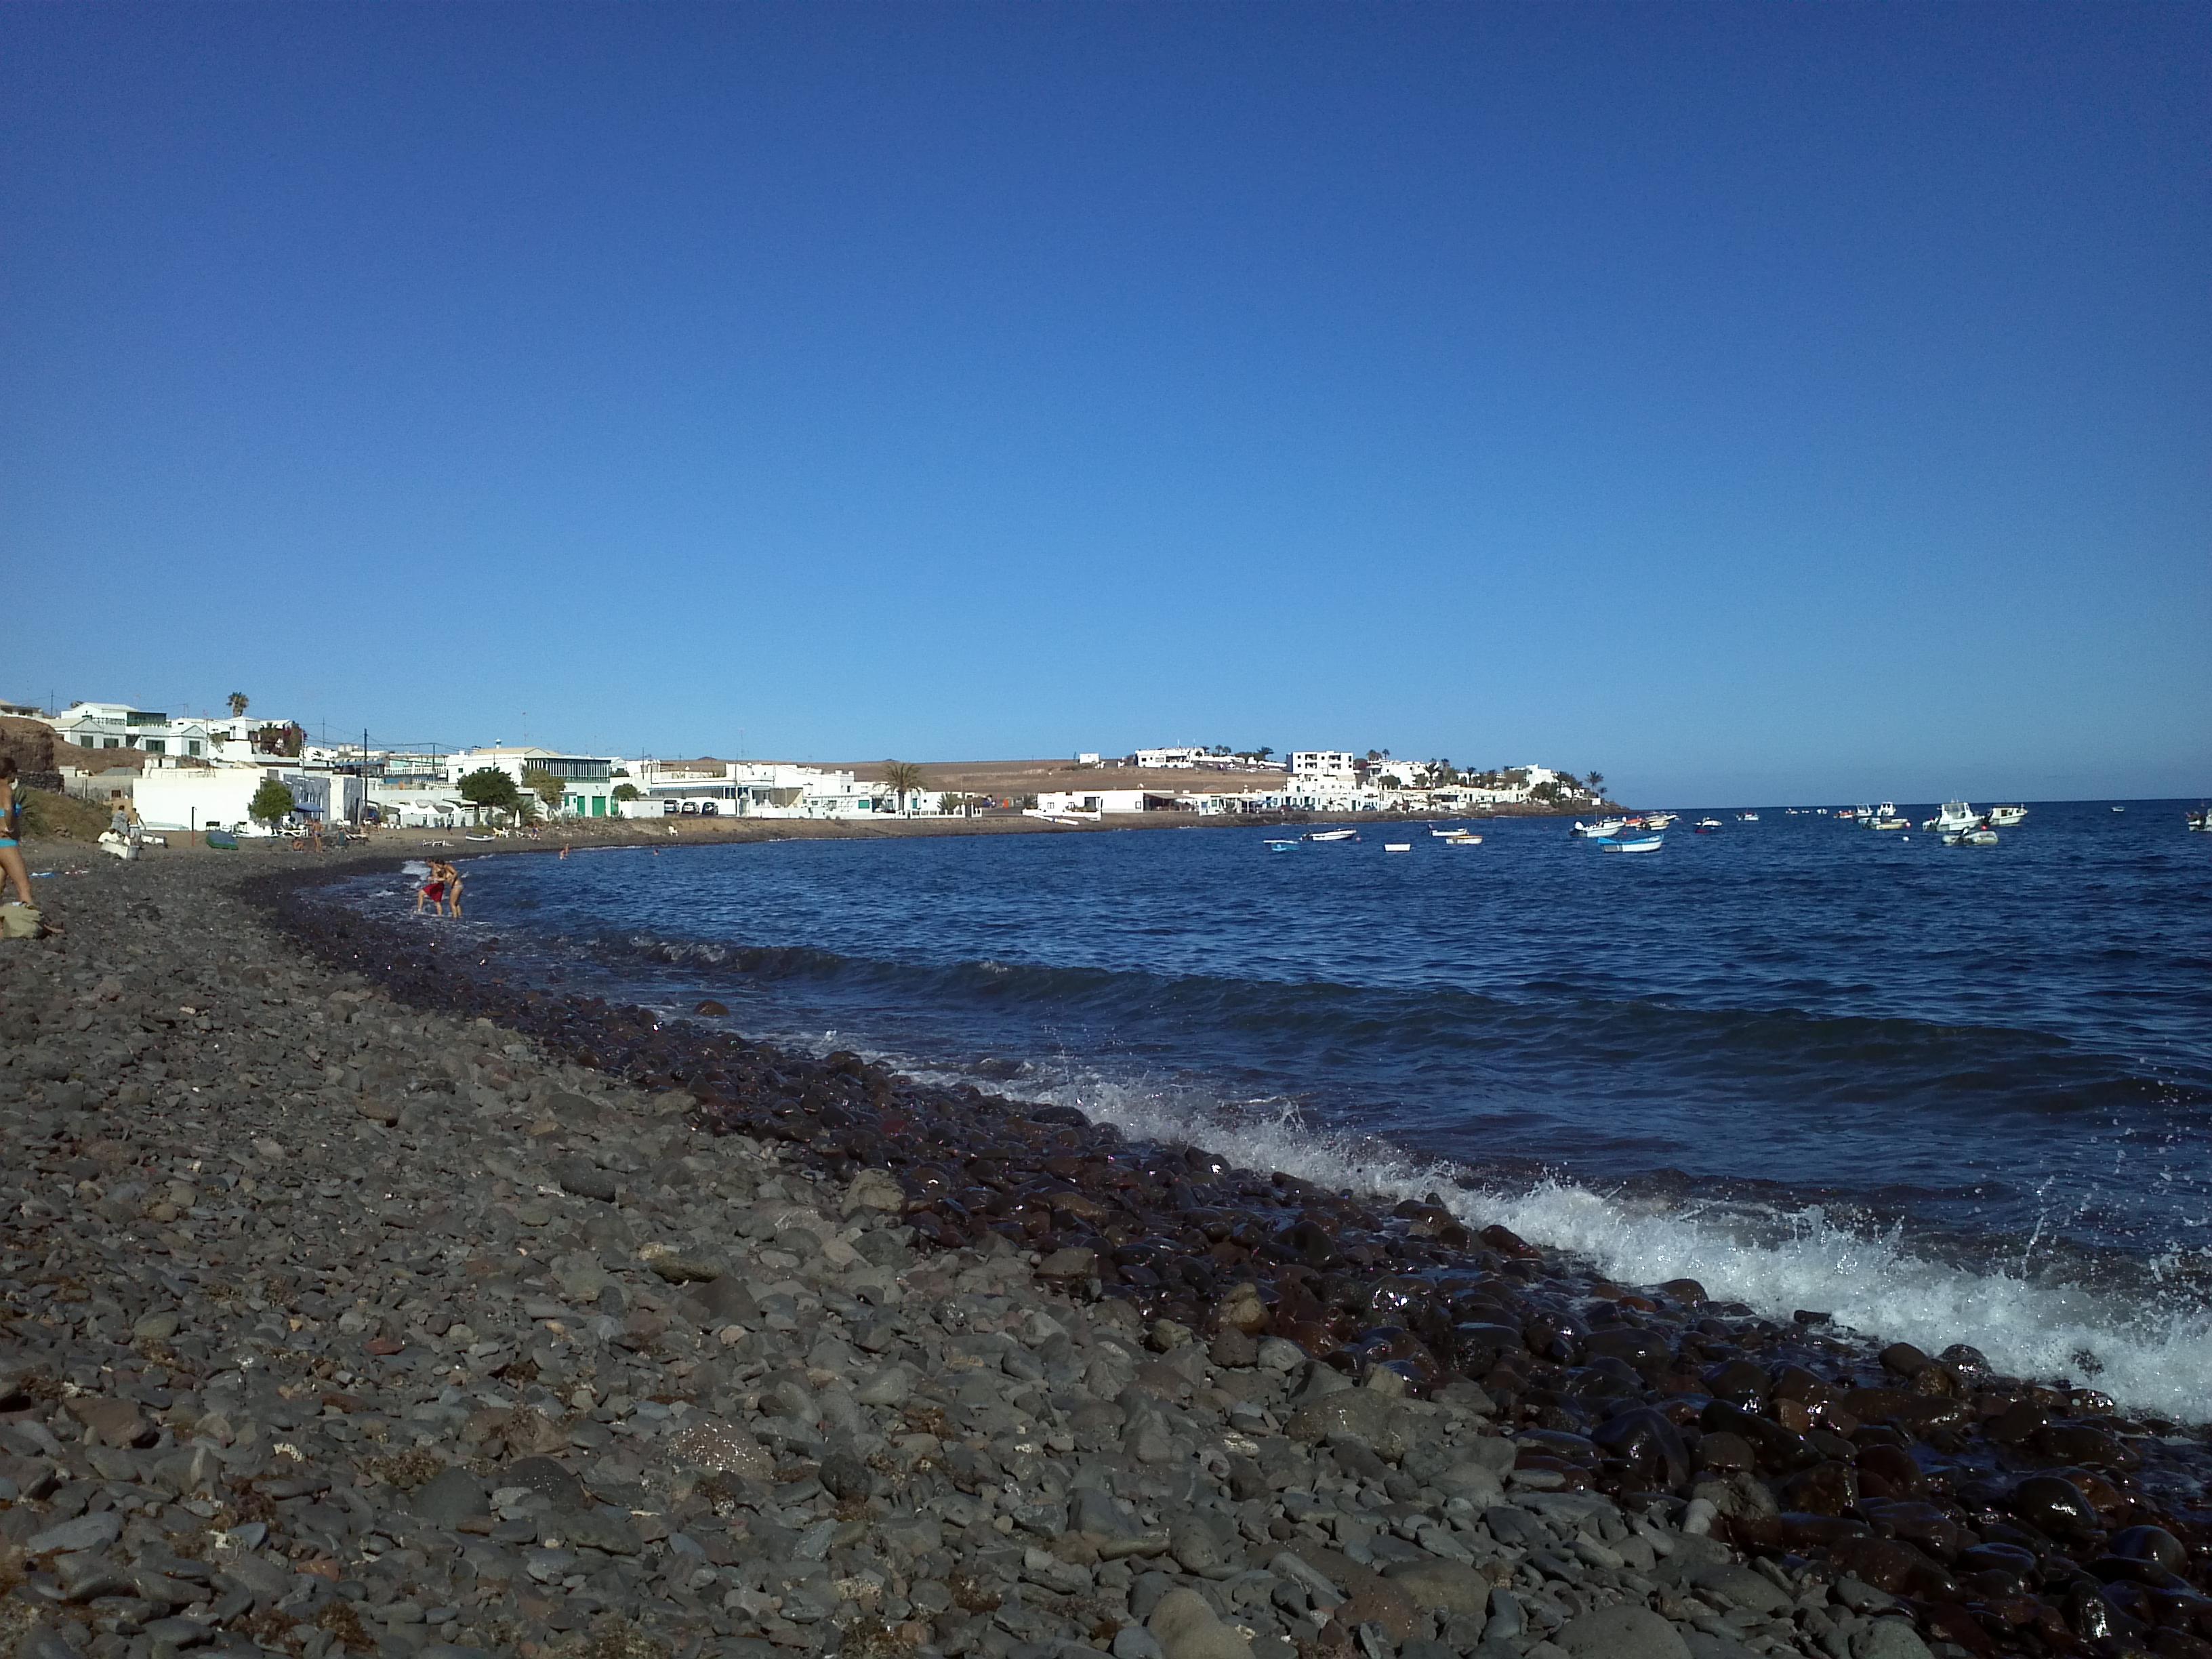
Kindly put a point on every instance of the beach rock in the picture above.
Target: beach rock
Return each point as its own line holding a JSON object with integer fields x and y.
{"x": 582, "y": 1180}
{"x": 1187, "y": 1628}
{"x": 449, "y": 1498}
{"x": 1623, "y": 1630}
{"x": 1445, "y": 1587}
{"x": 711, "y": 1443}
{"x": 1888, "y": 1638}
{"x": 86, "y": 1532}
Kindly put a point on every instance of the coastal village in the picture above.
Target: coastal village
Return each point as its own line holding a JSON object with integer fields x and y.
{"x": 192, "y": 774}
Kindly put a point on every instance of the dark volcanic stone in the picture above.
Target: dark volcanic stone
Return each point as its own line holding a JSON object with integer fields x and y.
{"x": 548, "y": 1478}
{"x": 583, "y": 1180}
{"x": 450, "y": 1498}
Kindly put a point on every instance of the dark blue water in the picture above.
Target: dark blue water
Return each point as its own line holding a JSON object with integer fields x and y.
{"x": 1954, "y": 1092}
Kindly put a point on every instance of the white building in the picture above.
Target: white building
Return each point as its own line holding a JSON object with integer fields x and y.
{"x": 587, "y": 780}
{"x": 1324, "y": 766}
{"x": 239, "y": 740}
{"x": 1168, "y": 759}
{"x": 757, "y": 789}
{"x": 1060, "y": 802}
{"x": 207, "y": 797}
{"x": 120, "y": 726}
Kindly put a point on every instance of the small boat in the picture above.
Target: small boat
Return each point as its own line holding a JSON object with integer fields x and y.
{"x": 2200, "y": 821}
{"x": 223, "y": 840}
{"x": 1955, "y": 816}
{"x": 1888, "y": 817}
{"x": 1660, "y": 820}
{"x": 1746, "y": 817}
{"x": 1648, "y": 844}
{"x": 1282, "y": 847}
{"x": 1333, "y": 834}
{"x": 1979, "y": 836}
{"x": 2120, "y": 808}
{"x": 1463, "y": 840}
{"x": 2007, "y": 818}
{"x": 1447, "y": 834}
{"x": 1397, "y": 847}
{"x": 1602, "y": 827}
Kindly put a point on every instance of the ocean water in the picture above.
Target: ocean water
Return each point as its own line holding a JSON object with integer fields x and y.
{"x": 1945, "y": 1094}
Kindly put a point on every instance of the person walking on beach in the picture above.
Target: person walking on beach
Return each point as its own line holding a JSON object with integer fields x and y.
{"x": 452, "y": 879}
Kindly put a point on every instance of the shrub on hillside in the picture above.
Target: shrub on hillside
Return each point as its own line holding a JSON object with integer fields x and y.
{"x": 47, "y": 813}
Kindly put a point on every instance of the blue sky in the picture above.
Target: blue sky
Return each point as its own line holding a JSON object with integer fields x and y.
{"x": 1753, "y": 403}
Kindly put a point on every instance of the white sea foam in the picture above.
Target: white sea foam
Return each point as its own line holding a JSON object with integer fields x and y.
{"x": 2150, "y": 1357}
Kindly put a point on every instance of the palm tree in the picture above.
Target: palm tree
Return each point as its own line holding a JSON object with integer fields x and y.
{"x": 904, "y": 778}
{"x": 1597, "y": 783}
{"x": 237, "y": 700}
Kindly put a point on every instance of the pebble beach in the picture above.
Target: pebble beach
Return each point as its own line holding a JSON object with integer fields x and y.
{"x": 359, "y": 1299}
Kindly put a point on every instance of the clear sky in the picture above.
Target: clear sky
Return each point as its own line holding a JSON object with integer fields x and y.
{"x": 1752, "y": 402}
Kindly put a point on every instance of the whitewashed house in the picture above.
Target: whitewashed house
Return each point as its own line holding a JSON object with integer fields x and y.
{"x": 587, "y": 780}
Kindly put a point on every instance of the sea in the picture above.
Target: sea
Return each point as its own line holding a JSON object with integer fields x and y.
{"x": 1941, "y": 1094}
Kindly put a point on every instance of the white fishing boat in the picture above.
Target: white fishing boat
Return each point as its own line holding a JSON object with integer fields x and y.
{"x": 1660, "y": 820}
{"x": 1333, "y": 834}
{"x": 1648, "y": 844}
{"x": 1956, "y": 815}
{"x": 1397, "y": 847}
{"x": 2007, "y": 818}
{"x": 1709, "y": 823}
{"x": 2200, "y": 821}
{"x": 1746, "y": 817}
{"x": 1462, "y": 840}
{"x": 1886, "y": 817}
{"x": 1602, "y": 827}
{"x": 1452, "y": 834}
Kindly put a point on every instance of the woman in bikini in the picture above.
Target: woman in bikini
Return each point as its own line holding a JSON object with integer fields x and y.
{"x": 13, "y": 870}
{"x": 432, "y": 891}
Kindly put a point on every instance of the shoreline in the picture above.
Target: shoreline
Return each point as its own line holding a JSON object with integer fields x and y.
{"x": 1633, "y": 1414}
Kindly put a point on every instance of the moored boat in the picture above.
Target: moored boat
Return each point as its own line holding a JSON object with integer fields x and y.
{"x": 1333, "y": 834}
{"x": 1397, "y": 847}
{"x": 2201, "y": 820}
{"x": 2007, "y": 818}
{"x": 1956, "y": 815}
{"x": 1602, "y": 827}
{"x": 1647, "y": 844}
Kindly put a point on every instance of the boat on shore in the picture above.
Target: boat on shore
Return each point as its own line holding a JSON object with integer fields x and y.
{"x": 1646, "y": 844}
